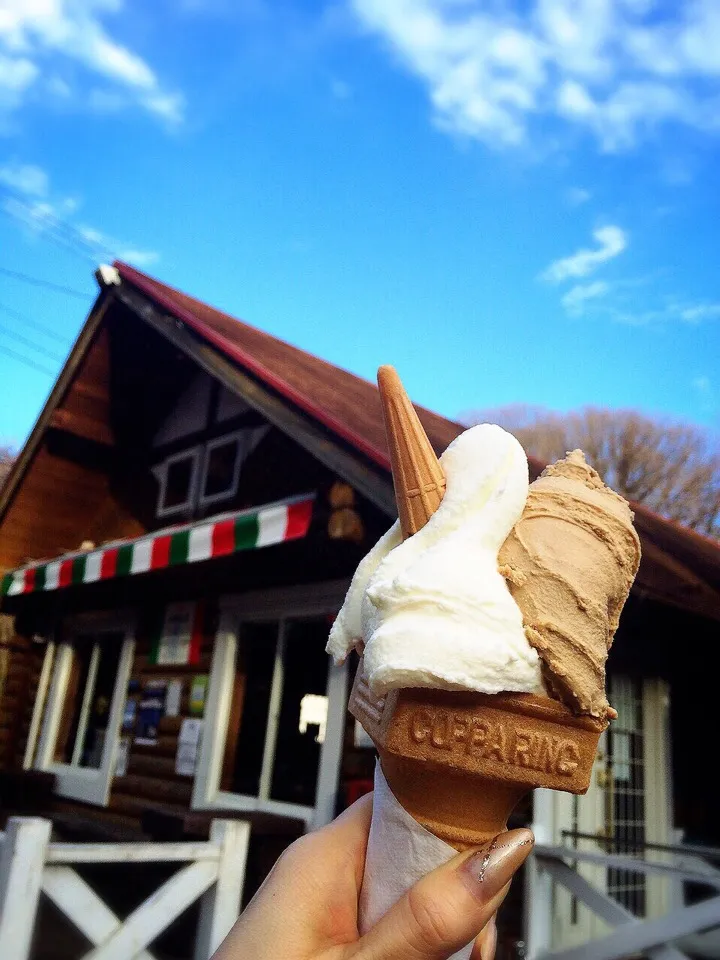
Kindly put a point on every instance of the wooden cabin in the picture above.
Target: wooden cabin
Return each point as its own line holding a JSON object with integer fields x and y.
{"x": 175, "y": 539}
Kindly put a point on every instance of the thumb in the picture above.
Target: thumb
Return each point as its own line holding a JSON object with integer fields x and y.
{"x": 449, "y": 907}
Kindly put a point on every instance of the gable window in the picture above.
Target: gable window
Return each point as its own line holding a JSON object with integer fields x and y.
{"x": 275, "y": 714}
{"x": 178, "y": 477}
{"x": 206, "y": 474}
{"x": 221, "y": 468}
{"x": 80, "y": 723}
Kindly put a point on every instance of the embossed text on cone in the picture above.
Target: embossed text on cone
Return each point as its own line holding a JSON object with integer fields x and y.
{"x": 459, "y": 761}
{"x": 417, "y": 474}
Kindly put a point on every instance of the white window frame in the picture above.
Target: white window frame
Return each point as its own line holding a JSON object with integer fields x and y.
{"x": 90, "y": 785}
{"x": 241, "y": 437}
{"x": 279, "y": 605}
{"x": 161, "y": 472}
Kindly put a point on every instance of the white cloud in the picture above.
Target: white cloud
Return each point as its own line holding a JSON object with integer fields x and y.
{"x": 576, "y": 196}
{"x": 655, "y": 310}
{"x": 576, "y": 299}
{"x": 618, "y": 68}
{"x": 41, "y": 215}
{"x": 695, "y": 313}
{"x": 35, "y": 34}
{"x": 24, "y": 177}
{"x": 611, "y": 241}
{"x": 17, "y": 74}
{"x": 140, "y": 258}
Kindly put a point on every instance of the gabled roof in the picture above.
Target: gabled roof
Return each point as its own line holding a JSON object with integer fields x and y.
{"x": 344, "y": 403}
{"x": 679, "y": 566}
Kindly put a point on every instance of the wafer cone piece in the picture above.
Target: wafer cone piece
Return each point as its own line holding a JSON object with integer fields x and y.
{"x": 459, "y": 762}
{"x": 417, "y": 475}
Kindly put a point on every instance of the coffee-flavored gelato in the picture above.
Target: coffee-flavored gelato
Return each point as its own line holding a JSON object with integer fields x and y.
{"x": 570, "y": 561}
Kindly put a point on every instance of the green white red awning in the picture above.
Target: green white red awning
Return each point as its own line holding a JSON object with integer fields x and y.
{"x": 171, "y": 547}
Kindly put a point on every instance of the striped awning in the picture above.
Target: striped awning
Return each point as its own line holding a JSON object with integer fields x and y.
{"x": 172, "y": 547}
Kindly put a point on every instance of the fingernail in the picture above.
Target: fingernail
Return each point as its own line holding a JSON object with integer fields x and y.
{"x": 488, "y": 944}
{"x": 493, "y": 865}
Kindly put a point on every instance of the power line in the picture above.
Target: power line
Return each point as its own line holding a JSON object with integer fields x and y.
{"x": 26, "y": 341}
{"x": 37, "y": 282}
{"x": 53, "y": 227}
{"x": 28, "y": 363}
{"x": 27, "y": 322}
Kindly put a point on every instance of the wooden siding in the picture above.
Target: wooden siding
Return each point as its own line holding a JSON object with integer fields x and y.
{"x": 24, "y": 662}
{"x": 63, "y": 501}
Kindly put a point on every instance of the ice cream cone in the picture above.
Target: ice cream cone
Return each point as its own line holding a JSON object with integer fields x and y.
{"x": 459, "y": 762}
{"x": 417, "y": 474}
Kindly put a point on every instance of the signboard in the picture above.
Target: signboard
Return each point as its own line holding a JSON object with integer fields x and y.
{"x": 188, "y": 747}
{"x": 151, "y": 710}
{"x": 175, "y": 642}
{"x": 198, "y": 692}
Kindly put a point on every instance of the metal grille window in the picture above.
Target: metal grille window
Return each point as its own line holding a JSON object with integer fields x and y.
{"x": 627, "y": 801}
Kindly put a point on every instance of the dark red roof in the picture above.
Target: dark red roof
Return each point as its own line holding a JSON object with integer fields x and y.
{"x": 349, "y": 407}
{"x": 346, "y": 404}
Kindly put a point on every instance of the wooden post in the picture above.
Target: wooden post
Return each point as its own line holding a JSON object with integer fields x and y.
{"x": 220, "y": 906}
{"x": 22, "y": 859}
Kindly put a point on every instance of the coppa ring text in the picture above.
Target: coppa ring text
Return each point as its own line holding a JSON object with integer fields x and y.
{"x": 480, "y": 737}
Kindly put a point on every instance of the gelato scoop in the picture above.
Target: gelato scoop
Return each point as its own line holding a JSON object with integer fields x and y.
{"x": 570, "y": 561}
{"x": 444, "y": 582}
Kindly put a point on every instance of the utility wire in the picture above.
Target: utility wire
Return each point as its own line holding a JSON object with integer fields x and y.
{"x": 33, "y": 324}
{"x": 38, "y": 282}
{"x": 28, "y": 363}
{"x": 53, "y": 227}
{"x": 26, "y": 341}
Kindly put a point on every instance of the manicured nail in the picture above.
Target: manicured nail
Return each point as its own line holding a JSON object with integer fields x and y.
{"x": 488, "y": 944}
{"x": 493, "y": 865}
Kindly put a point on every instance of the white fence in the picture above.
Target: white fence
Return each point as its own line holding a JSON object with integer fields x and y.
{"x": 684, "y": 927}
{"x": 30, "y": 865}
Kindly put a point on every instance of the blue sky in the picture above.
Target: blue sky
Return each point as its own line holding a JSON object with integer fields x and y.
{"x": 510, "y": 202}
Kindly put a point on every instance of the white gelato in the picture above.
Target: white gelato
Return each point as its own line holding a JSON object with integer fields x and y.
{"x": 433, "y": 610}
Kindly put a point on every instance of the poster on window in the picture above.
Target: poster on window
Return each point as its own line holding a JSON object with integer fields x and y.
{"x": 172, "y": 647}
{"x": 174, "y": 698}
{"x": 129, "y": 714}
{"x": 151, "y": 710}
{"x": 188, "y": 747}
{"x": 198, "y": 694}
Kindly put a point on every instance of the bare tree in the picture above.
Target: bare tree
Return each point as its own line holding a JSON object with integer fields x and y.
{"x": 673, "y": 468}
{"x": 7, "y": 458}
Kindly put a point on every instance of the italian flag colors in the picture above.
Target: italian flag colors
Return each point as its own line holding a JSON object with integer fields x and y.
{"x": 173, "y": 547}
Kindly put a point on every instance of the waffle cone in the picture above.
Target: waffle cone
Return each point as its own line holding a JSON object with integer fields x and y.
{"x": 417, "y": 475}
{"x": 459, "y": 762}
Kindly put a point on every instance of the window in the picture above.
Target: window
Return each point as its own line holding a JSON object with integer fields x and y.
{"x": 178, "y": 482}
{"x": 86, "y": 678}
{"x": 275, "y": 713}
{"x": 222, "y": 468}
{"x": 205, "y": 474}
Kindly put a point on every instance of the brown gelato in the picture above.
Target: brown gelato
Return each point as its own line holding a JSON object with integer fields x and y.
{"x": 570, "y": 562}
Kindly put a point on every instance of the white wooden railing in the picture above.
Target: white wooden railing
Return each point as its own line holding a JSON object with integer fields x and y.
{"x": 30, "y": 865}
{"x": 659, "y": 938}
